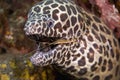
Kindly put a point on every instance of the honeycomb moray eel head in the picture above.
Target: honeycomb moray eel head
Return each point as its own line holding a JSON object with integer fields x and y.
{"x": 74, "y": 40}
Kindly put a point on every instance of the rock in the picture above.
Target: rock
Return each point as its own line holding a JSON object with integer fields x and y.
{"x": 18, "y": 67}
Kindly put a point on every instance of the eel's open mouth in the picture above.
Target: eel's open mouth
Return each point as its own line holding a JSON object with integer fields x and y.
{"x": 46, "y": 47}
{"x": 44, "y": 43}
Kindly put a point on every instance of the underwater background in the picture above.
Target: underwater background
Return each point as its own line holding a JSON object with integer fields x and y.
{"x": 16, "y": 48}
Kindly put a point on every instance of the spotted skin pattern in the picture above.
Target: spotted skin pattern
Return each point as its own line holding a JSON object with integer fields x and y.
{"x": 94, "y": 56}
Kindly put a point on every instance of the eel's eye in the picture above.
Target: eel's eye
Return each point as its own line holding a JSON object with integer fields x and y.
{"x": 50, "y": 23}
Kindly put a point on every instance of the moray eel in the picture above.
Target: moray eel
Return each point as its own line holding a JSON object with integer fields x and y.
{"x": 74, "y": 40}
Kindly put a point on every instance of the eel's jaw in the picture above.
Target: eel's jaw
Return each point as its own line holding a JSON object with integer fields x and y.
{"x": 36, "y": 59}
{"x": 45, "y": 50}
{"x": 42, "y": 59}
